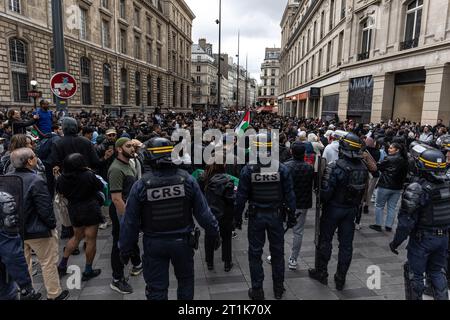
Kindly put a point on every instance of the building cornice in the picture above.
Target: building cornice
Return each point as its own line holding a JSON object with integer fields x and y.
{"x": 89, "y": 45}
{"x": 309, "y": 13}
{"x": 188, "y": 10}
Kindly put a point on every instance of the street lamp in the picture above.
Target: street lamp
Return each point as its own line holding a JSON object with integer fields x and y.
{"x": 34, "y": 84}
{"x": 33, "y": 93}
{"x": 219, "y": 73}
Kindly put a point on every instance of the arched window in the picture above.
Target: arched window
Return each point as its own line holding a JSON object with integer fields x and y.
{"x": 106, "y": 84}
{"x": 85, "y": 66}
{"x": 18, "y": 51}
{"x": 138, "y": 88}
{"x": 149, "y": 90}
{"x": 124, "y": 86}
{"x": 413, "y": 24}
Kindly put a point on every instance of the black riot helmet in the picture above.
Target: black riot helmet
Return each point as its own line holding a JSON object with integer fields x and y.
{"x": 431, "y": 160}
{"x": 262, "y": 144}
{"x": 158, "y": 150}
{"x": 443, "y": 142}
{"x": 351, "y": 146}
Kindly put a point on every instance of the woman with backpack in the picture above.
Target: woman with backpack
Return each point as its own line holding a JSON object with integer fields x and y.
{"x": 83, "y": 190}
{"x": 219, "y": 193}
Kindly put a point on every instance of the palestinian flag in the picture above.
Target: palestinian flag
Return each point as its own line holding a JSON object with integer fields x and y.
{"x": 245, "y": 123}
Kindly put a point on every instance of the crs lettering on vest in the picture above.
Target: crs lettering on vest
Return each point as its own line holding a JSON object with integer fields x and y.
{"x": 164, "y": 193}
{"x": 265, "y": 177}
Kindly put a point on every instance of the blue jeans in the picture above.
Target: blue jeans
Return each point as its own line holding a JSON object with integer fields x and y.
{"x": 429, "y": 255}
{"x": 158, "y": 253}
{"x": 390, "y": 197}
{"x": 257, "y": 227}
{"x": 13, "y": 259}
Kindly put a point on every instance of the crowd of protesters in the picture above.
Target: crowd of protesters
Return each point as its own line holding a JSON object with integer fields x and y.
{"x": 81, "y": 155}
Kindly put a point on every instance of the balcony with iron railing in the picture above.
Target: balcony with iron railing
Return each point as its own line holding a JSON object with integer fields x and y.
{"x": 409, "y": 44}
{"x": 363, "y": 56}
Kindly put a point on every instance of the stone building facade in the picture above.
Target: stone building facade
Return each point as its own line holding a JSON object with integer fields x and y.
{"x": 270, "y": 72}
{"x": 368, "y": 60}
{"x": 135, "y": 55}
{"x": 204, "y": 74}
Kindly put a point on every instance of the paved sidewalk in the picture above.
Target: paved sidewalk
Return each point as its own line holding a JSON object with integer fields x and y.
{"x": 370, "y": 248}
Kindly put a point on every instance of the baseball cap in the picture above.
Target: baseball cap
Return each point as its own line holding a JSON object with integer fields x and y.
{"x": 111, "y": 131}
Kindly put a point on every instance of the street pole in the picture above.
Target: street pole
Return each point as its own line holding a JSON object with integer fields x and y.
{"x": 238, "y": 74}
{"x": 219, "y": 71}
{"x": 246, "y": 81}
{"x": 58, "y": 46}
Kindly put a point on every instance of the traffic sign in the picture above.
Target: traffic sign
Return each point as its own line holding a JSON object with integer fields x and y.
{"x": 63, "y": 85}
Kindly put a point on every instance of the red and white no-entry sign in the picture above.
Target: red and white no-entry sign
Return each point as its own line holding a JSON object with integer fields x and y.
{"x": 63, "y": 85}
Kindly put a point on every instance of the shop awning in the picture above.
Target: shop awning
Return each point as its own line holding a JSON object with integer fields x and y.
{"x": 266, "y": 109}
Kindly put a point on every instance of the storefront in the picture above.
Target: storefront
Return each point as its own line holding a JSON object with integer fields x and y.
{"x": 360, "y": 94}
{"x": 409, "y": 94}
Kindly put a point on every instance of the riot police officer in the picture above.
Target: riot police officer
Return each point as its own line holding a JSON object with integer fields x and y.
{"x": 162, "y": 204}
{"x": 342, "y": 191}
{"x": 13, "y": 267}
{"x": 444, "y": 143}
{"x": 266, "y": 190}
{"x": 425, "y": 217}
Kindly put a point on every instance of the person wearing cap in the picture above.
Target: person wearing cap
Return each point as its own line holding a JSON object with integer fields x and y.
{"x": 331, "y": 151}
{"x": 121, "y": 177}
{"x": 137, "y": 162}
{"x": 302, "y": 176}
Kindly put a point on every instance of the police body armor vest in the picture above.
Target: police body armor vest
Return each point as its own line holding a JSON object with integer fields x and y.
{"x": 437, "y": 212}
{"x": 168, "y": 206}
{"x": 266, "y": 186}
{"x": 352, "y": 192}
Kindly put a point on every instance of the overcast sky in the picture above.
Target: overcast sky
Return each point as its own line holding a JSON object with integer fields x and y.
{"x": 257, "y": 20}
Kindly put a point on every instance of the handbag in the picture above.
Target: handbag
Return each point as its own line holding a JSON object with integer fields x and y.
{"x": 60, "y": 208}
{"x": 369, "y": 162}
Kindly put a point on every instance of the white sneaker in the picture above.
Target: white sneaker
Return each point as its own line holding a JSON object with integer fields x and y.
{"x": 269, "y": 259}
{"x": 292, "y": 264}
{"x": 357, "y": 226}
{"x": 103, "y": 226}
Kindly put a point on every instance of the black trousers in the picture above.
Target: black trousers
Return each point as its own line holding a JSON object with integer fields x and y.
{"x": 117, "y": 265}
{"x": 226, "y": 228}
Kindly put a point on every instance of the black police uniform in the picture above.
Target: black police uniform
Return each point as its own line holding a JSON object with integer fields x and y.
{"x": 266, "y": 192}
{"x": 13, "y": 267}
{"x": 425, "y": 217}
{"x": 342, "y": 191}
{"x": 162, "y": 204}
